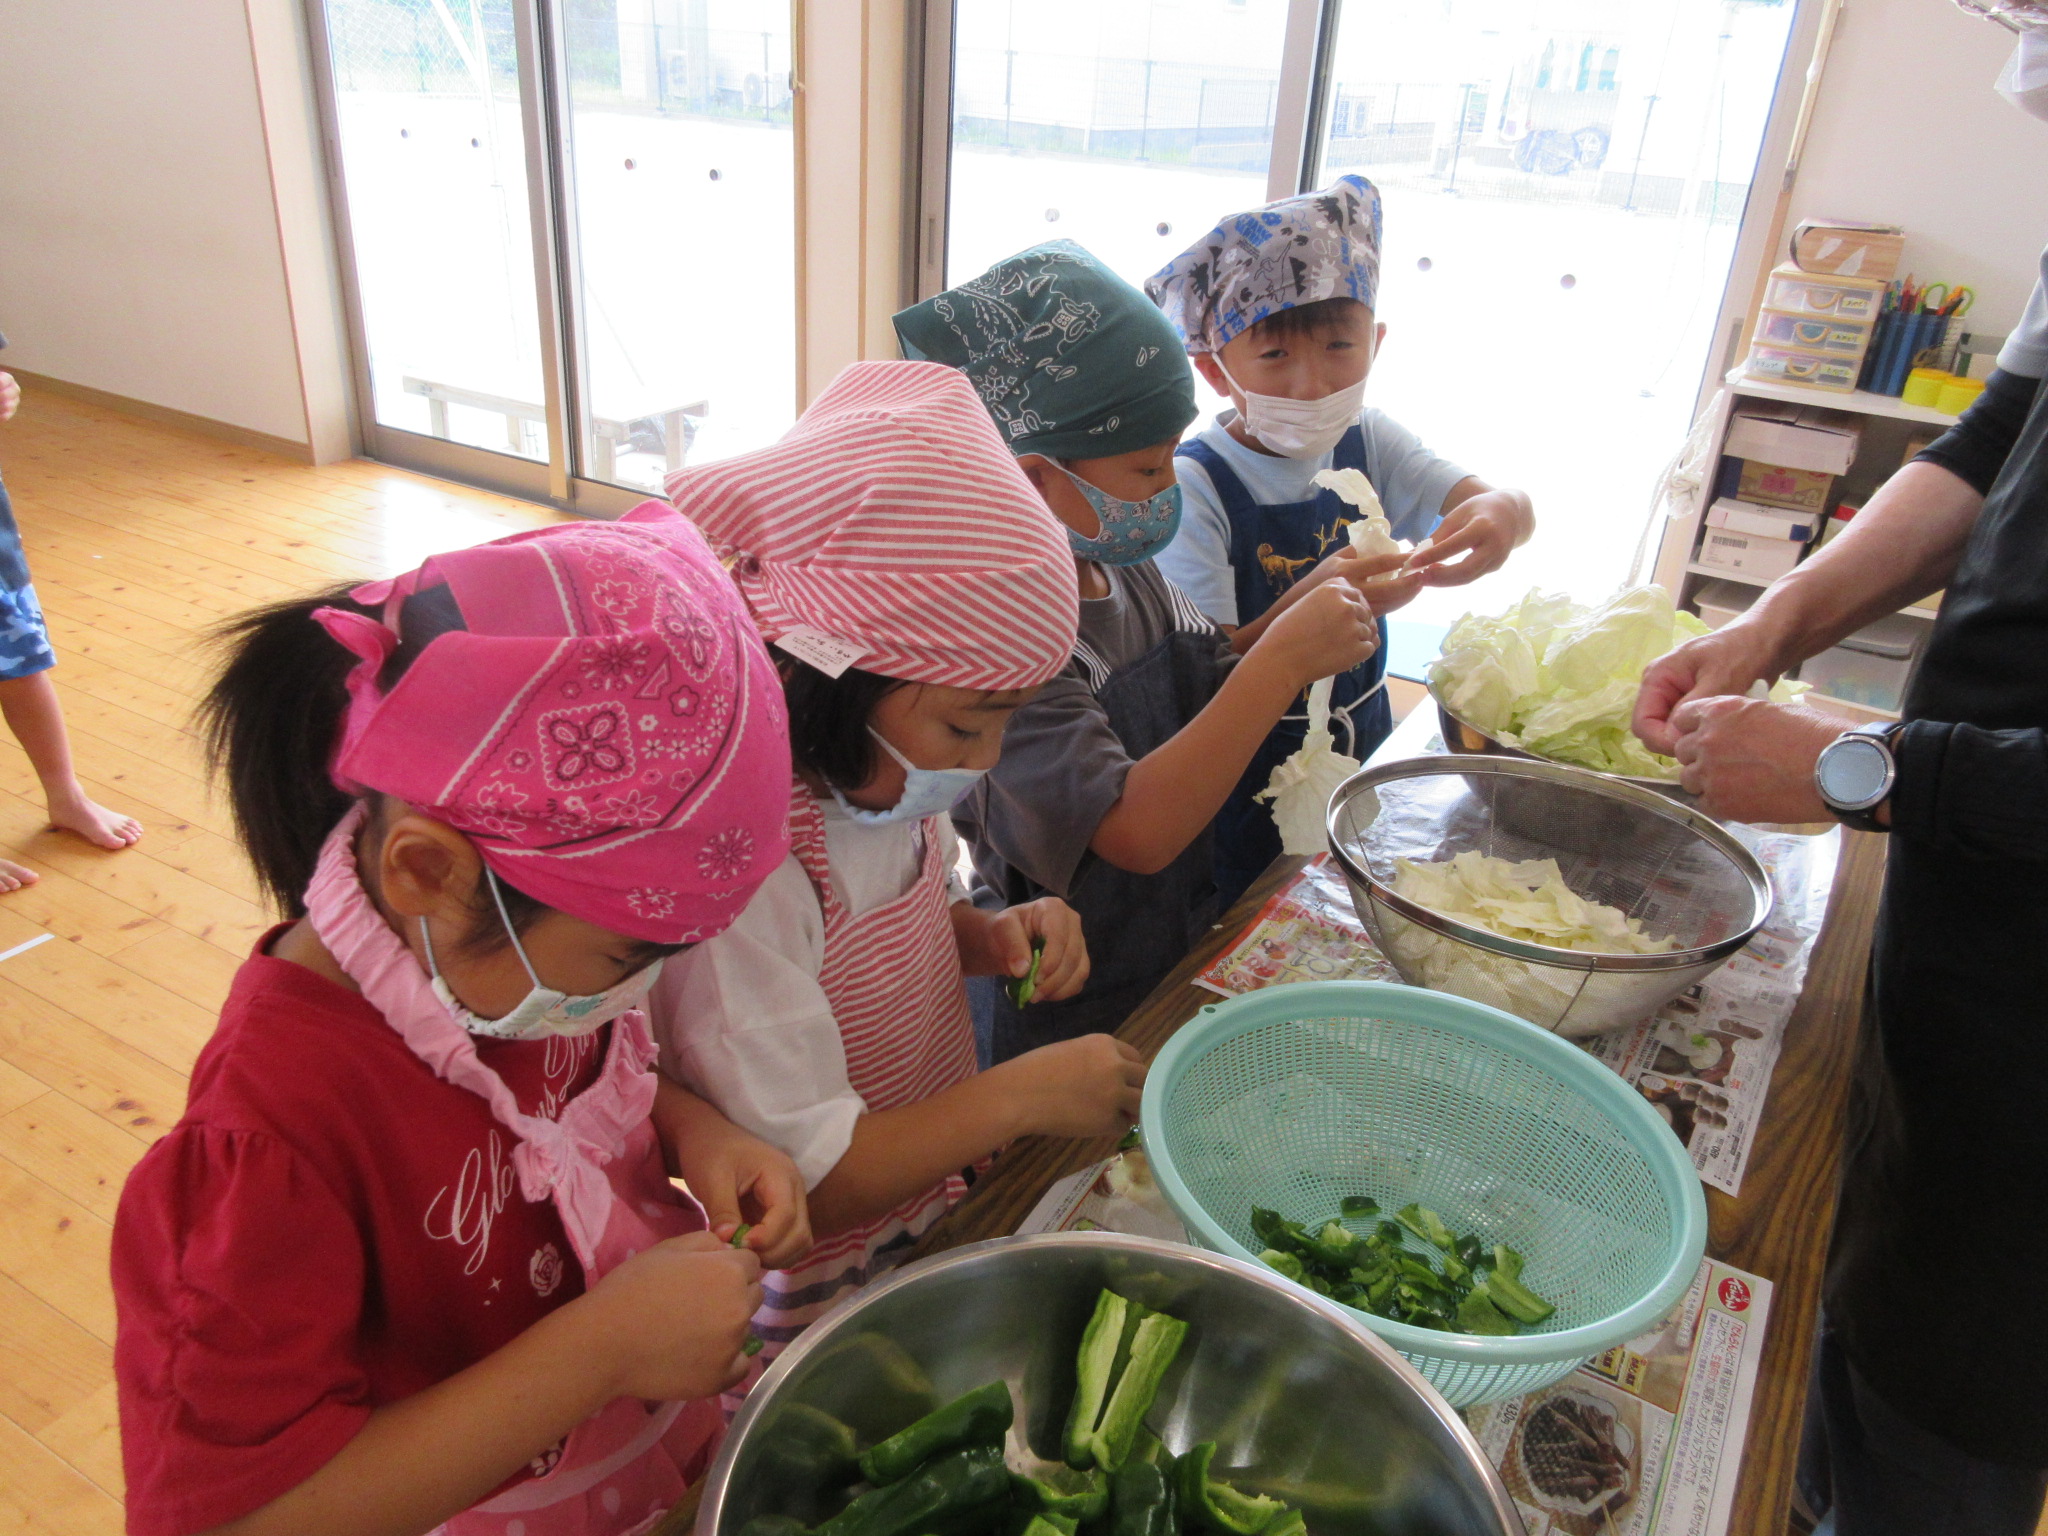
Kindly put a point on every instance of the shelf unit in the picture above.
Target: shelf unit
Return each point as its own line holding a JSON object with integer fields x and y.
{"x": 1678, "y": 567}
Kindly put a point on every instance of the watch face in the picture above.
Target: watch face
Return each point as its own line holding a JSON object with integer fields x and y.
{"x": 1854, "y": 771}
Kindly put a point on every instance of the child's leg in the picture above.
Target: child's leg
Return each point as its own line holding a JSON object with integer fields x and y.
{"x": 30, "y": 707}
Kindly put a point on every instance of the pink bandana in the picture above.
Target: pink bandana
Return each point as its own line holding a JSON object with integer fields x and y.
{"x": 891, "y": 530}
{"x": 606, "y": 728}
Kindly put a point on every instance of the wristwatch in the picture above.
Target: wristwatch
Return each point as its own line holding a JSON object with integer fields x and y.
{"x": 1855, "y": 774}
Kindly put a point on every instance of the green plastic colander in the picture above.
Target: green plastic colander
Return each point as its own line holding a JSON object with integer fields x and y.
{"x": 1296, "y": 1096}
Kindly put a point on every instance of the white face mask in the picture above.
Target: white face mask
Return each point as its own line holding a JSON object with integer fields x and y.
{"x": 1299, "y": 429}
{"x": 543, "y": 1011}
{"x": 926, "y": 791}
{"x": 2024, "y": 81}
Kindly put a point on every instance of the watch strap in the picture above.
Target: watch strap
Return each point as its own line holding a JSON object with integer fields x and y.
{"x": 1865, "y": 820}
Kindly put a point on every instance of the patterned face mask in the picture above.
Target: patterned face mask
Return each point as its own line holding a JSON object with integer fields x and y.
{"x": 1131, "y": 530}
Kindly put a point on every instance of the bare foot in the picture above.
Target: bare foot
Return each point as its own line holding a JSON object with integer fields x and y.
{"x": 94, "y": 822}
{"x": 14, "y": 876}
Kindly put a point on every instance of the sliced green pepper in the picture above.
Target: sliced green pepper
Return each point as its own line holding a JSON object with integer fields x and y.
{"x": 1335, "y": 1246}
{"x": 1064, "y": 1492}
{"x": 1153, "y": 1348}
{"x": 1022, "y": 988}
{"x": 1428, "y": 1226}
{"x": 1141, "y": 1502}
{"x": 960, "y": 1491}
{"x": 1358, "y": 1205}
{"x": 1093, "y": 1368}
{"x": 806, "y": 1447}
{"x": 982, "y": 1417}
{"x": 1218, "y": 1507}
{"x": 1046, "y": 1524}
{"x": 1477, "y": 1314}
{"x": 1516, "y": 1299}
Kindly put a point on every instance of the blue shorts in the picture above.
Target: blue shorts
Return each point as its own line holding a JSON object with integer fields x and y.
{"x": 24, "y": 637}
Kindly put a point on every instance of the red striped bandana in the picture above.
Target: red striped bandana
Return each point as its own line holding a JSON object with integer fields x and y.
{"x": 892, "y": 520}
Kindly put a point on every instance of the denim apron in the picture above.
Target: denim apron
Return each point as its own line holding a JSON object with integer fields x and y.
{"x": 1138, "y": 927}
{"x": 1271, "y": 548}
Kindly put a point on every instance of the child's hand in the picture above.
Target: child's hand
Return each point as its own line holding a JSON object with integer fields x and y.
{"x": 672, "y": 1320}
{"x": 1329, "y": 631}
{"x": 737, "y": 1177}
{"x": 10, "y": 396}
{"x": 1385, "y": 581}
{"x": 1085, "y": 1087}
{"x": 1008, "y": 937}
{"x": 1484, "y": 529}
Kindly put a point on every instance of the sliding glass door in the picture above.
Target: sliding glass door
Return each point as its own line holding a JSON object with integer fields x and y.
{"x": 1565, "y": 182}
{"x": 568, "y": 228}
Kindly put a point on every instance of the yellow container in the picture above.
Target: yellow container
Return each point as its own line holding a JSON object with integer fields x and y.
{"x": 1924, "y": 386}
{"x": 1958, "y": 395}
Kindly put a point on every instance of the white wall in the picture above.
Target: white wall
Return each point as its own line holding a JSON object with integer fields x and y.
{"x": 139, "y": 246}
{"x": 1908, "y": 130}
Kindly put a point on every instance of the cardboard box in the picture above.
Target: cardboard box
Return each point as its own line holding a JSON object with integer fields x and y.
{"x": 1748, "y": 554}
{"x": 1808, "y": 437}
{"x": 1770, "y": 522}
{"x": 1848, "y": 248}
{"x": 1777, "y": 485}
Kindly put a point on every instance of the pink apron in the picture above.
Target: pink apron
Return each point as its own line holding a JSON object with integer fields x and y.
{"x": 619, "y": 1471}
{"x": 893, "y": 978}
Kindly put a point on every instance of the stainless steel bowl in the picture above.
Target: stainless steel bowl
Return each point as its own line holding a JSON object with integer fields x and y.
{"x": 1294, "y": 1391}
{"x": 1677, "y": 871}
{"x": 1464, "y": 737}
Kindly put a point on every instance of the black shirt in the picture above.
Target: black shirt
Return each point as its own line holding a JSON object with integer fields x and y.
{"x": 1943, "y": 1221}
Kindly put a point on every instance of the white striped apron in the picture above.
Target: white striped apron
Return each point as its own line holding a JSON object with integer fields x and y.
{"x": 893, "y": 978}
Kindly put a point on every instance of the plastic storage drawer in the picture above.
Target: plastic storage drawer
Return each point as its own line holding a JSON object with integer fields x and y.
{"x": 1842, "y": 298}
{"x": 1837, "y": 338}
{"x": 1813, "y": 370}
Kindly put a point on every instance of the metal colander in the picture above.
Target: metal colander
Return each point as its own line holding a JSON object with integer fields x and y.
{"x": 1677, "y": 871}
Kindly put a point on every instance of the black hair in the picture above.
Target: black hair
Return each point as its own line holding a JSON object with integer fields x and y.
{"x": 272, "y": 720}
{"x": 1303, "y": 320}
{"x": 828, "y": 720}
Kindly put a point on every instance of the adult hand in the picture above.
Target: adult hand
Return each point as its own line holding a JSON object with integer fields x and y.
{"x": 1729, "y": 661}
{"x": 1475, "y": 538}
{"x": 1063, "y": 969}
{"x": 10, "y": 396}
{"x": 1751, "y": 760}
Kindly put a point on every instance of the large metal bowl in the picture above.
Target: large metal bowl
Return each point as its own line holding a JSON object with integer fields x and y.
{"x": 1302, "y": 1400}
{"x": 1464, "y": 737}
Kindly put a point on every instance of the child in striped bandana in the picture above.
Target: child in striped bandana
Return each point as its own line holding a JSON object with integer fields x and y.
{"x": 916, "y": 592}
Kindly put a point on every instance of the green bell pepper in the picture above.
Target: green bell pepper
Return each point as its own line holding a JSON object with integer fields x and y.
{"x": 1478, "y": 1314}
{"x": 982, "y": 1417}
{"x": 1093, "y": 1367}
{"x": 1022, "y": 988}
{"x": 1044, "y": 1524}
{"x": 1428, "y": 1226}
{"x": 1505, "y": 1286}
{"x": 1358, "y": 1205}
{"x": 1286, "y": 1264}
{"x": 1141, "y": 1502}
{"x": 1153, "y": 1348}
{"x": 960, "y": 1492}
{"x": 1064, "y": 1492}
{"x": 1218, "y": 1507}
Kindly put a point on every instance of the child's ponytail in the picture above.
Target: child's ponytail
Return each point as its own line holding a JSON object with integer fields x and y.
{"x": 270, "y": 722}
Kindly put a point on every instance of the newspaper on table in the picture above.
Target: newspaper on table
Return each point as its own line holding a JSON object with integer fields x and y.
{"x": 1644, "y": 1440}
{"x": 1703, "y": 1060}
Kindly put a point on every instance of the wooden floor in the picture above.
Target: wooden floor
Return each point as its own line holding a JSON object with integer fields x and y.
{"x": 139, "y": 537}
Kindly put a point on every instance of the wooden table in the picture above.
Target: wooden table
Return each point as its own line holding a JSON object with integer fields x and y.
{"x": 1778, "y": 1228}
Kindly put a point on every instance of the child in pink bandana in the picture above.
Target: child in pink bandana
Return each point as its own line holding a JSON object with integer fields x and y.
{"x": 411, "y": 1260}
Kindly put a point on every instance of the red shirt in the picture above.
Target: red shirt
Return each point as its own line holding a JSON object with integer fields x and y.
{"x": 329, "y": 1228}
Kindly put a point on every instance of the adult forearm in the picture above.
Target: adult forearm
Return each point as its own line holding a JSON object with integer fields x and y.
{"x": 1172, "y": 793}
{"x": 420, "y": 1460}
{"x": 1903, "y": 545}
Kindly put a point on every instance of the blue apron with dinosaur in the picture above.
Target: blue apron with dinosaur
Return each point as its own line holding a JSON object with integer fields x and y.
{"x": 1271, "y": 548}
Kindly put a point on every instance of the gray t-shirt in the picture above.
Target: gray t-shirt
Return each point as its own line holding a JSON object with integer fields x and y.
{"x": 2026, "y": 350}
{"x": 1062, "y": 766}
{"x": 1412, "y": 483}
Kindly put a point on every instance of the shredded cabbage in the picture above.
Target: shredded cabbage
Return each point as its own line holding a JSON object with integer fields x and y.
{"x": 1528, "y": 901}
{"x": 1301, "y": 787}
{"x": 1559, "y": 679}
